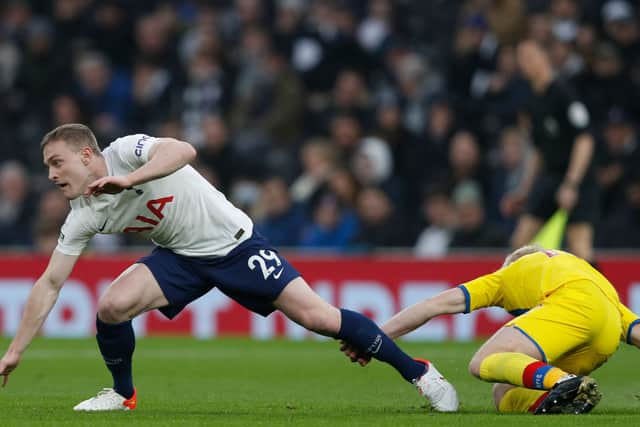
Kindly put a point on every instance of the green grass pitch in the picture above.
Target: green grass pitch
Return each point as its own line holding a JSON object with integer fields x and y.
{"x": 239, "y": 382}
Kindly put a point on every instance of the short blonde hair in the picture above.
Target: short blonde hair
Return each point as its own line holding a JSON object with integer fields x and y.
{"x": 75, "y": 135}
{"x": 520, "y": 252}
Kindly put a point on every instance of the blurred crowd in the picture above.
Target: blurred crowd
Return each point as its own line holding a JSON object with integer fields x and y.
{"x": 338, "y": 124}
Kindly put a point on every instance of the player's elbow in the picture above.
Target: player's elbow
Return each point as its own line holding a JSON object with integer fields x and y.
{"x": 188, "y": 152}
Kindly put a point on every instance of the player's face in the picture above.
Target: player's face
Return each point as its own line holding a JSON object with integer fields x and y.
{"x": 67, "y": 168}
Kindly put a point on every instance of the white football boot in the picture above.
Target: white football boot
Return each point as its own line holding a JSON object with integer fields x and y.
{"x": 108, "y": 400}
{"x": 438, "y": 391}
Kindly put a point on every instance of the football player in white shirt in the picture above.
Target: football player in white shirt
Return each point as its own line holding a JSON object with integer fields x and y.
{"x": 140, "y": 184}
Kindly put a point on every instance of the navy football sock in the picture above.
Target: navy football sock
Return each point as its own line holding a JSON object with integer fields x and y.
{"x": 362, "y": 333}
{"x": 117, "y": 342}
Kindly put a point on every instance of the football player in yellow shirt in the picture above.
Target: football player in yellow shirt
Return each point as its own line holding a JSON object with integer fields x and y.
{"x": 569, "y": 322}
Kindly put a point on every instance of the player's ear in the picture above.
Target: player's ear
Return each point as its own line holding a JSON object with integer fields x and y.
{"x": 85, "y": 155}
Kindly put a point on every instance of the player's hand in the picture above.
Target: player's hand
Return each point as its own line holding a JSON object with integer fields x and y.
{"x": 567, "y": 196}
{"x": 353, "y": 354}
{"x": 511, "y": 204}
{"x": 108, "y": 185}
{"x": 8, "y": 363}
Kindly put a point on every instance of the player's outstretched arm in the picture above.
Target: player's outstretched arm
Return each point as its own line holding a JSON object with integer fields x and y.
{"x": 451, "y": 301}
{"x": 41, "y": 299}
{"x": 165, "y": 157}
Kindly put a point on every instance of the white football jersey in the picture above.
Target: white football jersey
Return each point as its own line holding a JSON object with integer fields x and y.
{"x": 182, "y": 211}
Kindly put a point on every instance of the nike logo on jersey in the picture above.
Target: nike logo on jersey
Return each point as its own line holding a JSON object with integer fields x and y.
{"x": 101, "y": 229}
{"x": 278, "y": 274}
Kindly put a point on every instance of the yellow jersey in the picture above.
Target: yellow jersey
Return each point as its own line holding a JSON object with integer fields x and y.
{"x": 526, "y": 282}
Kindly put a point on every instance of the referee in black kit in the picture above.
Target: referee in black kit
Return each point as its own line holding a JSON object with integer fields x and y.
{"x": 559, "y": 173}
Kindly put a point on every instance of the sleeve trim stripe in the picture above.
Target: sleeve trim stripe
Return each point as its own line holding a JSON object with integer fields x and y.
{"x": 634, "y": 323}
{"x": 467, "y": 298}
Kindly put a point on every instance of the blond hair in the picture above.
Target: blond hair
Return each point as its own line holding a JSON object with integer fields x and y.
{"x": 75, "y": 135}
{"x": 520, "y": 252}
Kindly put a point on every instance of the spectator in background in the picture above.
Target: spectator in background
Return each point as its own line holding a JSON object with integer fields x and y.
{"x": 154, "y": 42}
{"x": 151, "y": 94}
{"x": 440, "y": 217}
{"x": 245, "y": 194}
{"x": 111, "y": 31}
{"x": 417, "y": 85}
{"x": 473, "y": 230}
{"x": 622, "y": 228}
{"x": 203, "y": 34}
{"x": 539, "y": 28}
{"x": 566, "y": 60}
{"x": 16, "y": 15}
{"x": 605, "y": 84}
{"x": 427, "y": 156}
{"x": 268, "y": 99}
{"x": 507, "y": 19}
{"x": 512, "y": 156}
{"x": 381, "y": 225}
{"x": 319, "y": 160}
{"x": 465, "y": 161}
{"x": 216, "y": 151}
{"x": 389, "y": 127}
{"x": 281, "y": 221}
{"x": 372, "y": 164}
{"x": 346, "y": 132}
{"x": 375, "y": 32}
{"x": 241, "y": 14}
{"x": 17, "y": 205}
{"x": 288, "y": 25}
{"x": 326, "y": 46}
{"x": 620, "y": 22}
{"x": 66, "y": 108}
{"x": 51, "y": 213}
{"x": 333, "y": 225}
{"x": 345, "y": 186}
{"x": 500, "y": 93}
{"x": 474, "y": 55}
{"x": 206, "y": 91}
{"x": 618, "y": 159}
{"x": 621, "y": 27}
{"x": 71, "y": 21}
{"x": 42, "y": 68}
{"x": 349, "y": 95}
{"x": 105, "y": 92}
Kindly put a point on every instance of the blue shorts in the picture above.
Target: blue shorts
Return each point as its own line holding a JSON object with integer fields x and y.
{"x": 253, "y": 274}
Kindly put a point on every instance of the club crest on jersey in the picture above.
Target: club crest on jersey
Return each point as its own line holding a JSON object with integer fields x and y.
{"x": 140, "y": 145}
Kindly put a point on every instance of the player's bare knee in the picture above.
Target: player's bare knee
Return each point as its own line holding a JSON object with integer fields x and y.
{"x": 110, "y": 310}
{"x": 474, "y": 366}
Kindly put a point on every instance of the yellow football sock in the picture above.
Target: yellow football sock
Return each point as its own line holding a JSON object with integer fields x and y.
{"x": 519, "y": 369}
{"x": 520, "y": 399}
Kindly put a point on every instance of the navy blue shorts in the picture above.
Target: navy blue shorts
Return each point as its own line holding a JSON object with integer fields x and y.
{"x": 253, "y": 274}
